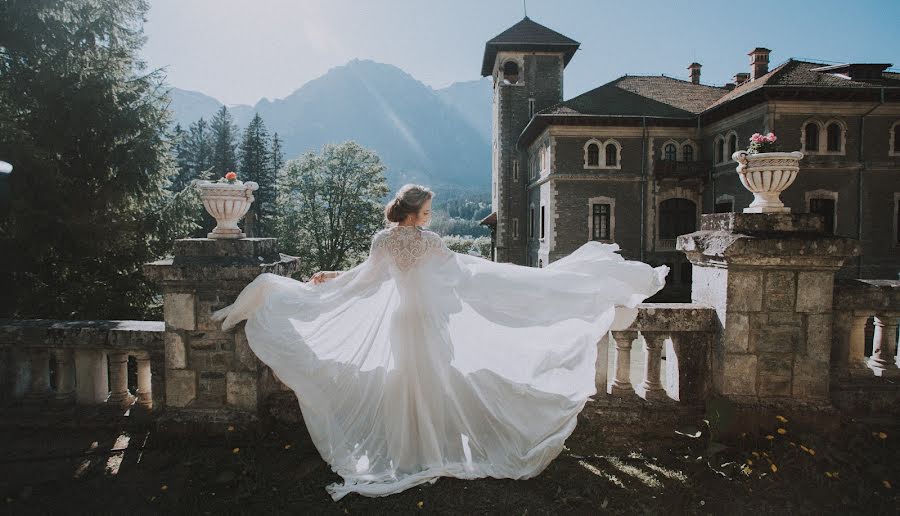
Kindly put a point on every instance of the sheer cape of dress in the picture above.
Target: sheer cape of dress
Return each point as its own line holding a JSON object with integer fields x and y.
{"x": 421, "y": 362}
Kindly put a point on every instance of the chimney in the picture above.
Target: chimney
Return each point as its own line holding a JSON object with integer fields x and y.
{"x": 741, "y": 78}
{"x": 729, "y": 86}
{"x": 695, "y": 72}
{"x": 759, "y": 62}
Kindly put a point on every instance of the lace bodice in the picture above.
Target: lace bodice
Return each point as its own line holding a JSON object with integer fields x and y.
{"x": 407, "y": 245}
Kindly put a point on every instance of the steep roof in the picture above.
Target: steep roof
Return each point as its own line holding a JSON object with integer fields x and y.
{"x": 527, "y": 35}
{"x": 641, "y": 95}
{"x": 799, "y": 73}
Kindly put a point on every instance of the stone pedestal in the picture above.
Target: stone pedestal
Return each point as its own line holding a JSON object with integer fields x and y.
{"x": 770, "y": 278}
{"x": 212, "y": 376}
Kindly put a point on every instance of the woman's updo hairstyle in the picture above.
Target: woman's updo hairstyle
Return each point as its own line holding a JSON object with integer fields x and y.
{"x": 409, "y": 200}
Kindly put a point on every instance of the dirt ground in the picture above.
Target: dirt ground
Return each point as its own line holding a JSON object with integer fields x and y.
{"x": 130, "y": 470}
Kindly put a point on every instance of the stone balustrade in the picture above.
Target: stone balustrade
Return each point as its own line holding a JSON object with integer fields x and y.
{"x": 83, "y": 362}
{"x": 672, "y": 362}
{"x": 856, "y": 303}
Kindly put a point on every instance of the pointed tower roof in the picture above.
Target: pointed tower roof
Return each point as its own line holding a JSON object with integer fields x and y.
{"x": 527, "y": 35}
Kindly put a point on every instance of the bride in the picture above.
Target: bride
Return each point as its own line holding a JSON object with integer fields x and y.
{"x": 421, "y": 362}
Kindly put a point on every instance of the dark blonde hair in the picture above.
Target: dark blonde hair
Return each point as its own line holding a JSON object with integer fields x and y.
{"x": 409, "y": 200}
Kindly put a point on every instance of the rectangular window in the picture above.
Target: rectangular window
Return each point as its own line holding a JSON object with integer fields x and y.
{"x": 531, "y": 224}
{"x": 724, "y": 207}
{"x": 515, "y": 168}
{"x": 600, "y": 222}
{"x": 530, "y": 108}
{"x": 898, "y": 217}
{"x": 824, "y": 207}
{"x": 516, "y": 228}
{"x": 542, "y": 222}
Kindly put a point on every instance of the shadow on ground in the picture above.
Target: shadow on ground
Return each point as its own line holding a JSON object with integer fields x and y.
{"x": 130, "y": 469}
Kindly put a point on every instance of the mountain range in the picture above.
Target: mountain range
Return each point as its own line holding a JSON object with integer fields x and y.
{"x": 436, "y": 137}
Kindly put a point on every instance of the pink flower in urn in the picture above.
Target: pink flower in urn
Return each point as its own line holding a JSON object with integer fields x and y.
{"x": 771, "y": 137}
{"x": 762, "y": 143}
{"x": 756, "y": 138}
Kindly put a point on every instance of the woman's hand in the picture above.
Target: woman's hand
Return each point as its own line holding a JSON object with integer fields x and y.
{"x": 323, "y": 276}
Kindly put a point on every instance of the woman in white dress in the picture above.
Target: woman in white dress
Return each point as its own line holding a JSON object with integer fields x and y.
{"x": 421, "y": 362}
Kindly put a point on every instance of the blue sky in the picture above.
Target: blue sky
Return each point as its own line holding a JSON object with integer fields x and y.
{"x": 240, "y": 51}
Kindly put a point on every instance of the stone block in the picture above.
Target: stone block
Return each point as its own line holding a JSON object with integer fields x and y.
{"x": 178, "y": 311}
{"x": 241, "y": 390}
{"x": 210, "y": 340}
{"x": 811, "y": 387}
{"x": 814, "y": 291}
{"x": 206, "y": 305}
{"x": 739, "y": 374}
{"x": 780, "y": 291}
{"x": 785, "y": 318}
{"x": 776, "y": 339}
{"x": 812, "y": 367}
{"x": 216, "y": 361}
{"x": 775, "y": 365}
{"x": 212, "y": 387}
{"x": 181, "y": 387}
{"x": 737, "y": 333}
{"x": 245, "y": 359}
{"x": 176, "y": 354}
{"x": 779, "y": 386}
{"x": 818, "y": 336}
{"x": 744, "y": 290}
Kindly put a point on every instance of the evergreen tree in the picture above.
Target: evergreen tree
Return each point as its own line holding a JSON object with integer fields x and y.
{"x": 199, "y": 150}
{"x": 225, "y": 134}
{"x": 256, "y": 165}
{"x": 277, "y": 154}
{"x": 86, "y": 128}
{"x": 330, "y": 204}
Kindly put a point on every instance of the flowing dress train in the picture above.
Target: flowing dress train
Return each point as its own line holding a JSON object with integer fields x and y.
{"x": 421, "y": 362}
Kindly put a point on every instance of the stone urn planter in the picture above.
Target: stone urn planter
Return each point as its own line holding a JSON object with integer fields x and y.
{"x": 227, "y": 203}
{"x": 766, "y": 175}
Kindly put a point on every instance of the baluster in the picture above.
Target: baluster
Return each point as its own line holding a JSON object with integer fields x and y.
{"x": 91, "y": 383}
{"x": 621, "y": 384}
{"x": 144, "y": 389}
{"x": 651, "y": 388}
{"x": 118, "y": 378}
{"x": 856, "y": 357}
{"x": 65, "y": 374}
{"x": 602, "y": 376}
{"x": 884, "y": 344}
{"x": 40, "y": 375}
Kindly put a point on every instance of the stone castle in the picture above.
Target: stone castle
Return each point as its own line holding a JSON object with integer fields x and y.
{"x": 636, "y": 161}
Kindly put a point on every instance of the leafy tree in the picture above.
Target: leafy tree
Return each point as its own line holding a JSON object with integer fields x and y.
{"x": 330, "y": 205}
{"x": 86, "y": 128}
{"x": 224, "y": 151}
{"x": 256, "y": 165}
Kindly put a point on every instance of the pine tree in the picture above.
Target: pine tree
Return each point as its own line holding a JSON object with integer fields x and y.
{"x": 277, "y": 154}
{"x": 87, "y": 130}
{"x": 225, "y": 133}
{"x": 199, "y": 149}
{"x": 256, "y": 165}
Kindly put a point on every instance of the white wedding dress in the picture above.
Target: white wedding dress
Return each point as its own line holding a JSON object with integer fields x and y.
{"x": 422, "y": 362}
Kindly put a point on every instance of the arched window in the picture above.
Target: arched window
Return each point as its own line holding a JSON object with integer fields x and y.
{"x": 720, "y": 150}
{"x": 812, "y": 137}
{"x": 511, "y": 72}
{"x": 593, "y": 155}
{"x": 612, "y": 155}
{"x": 670, "y": 152}
{"x": 677, "y": 217}
{"x": 834, "y": 137}
{"x": 688, "y": 152}
{"x": 732, "y": 145}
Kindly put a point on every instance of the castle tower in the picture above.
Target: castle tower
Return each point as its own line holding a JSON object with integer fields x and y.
{"x": 526, "y": 62}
